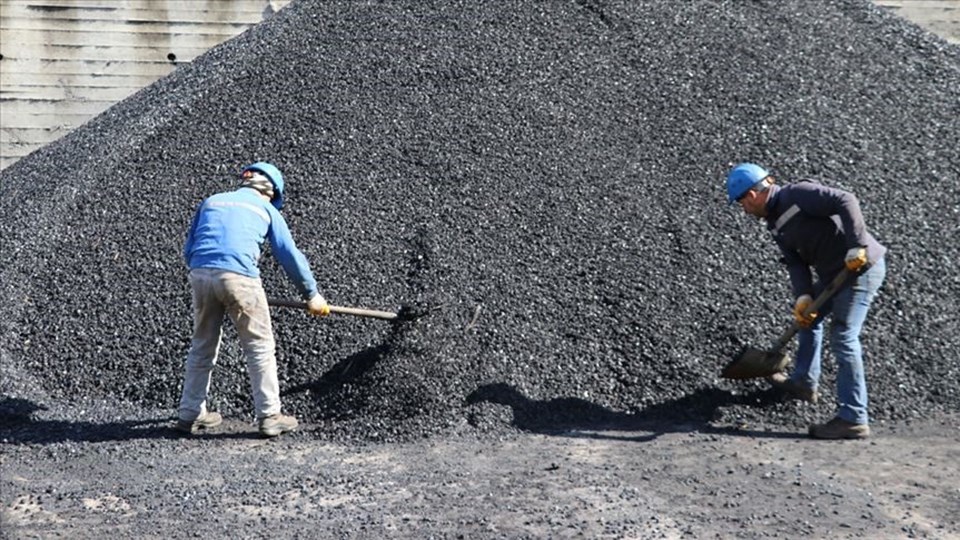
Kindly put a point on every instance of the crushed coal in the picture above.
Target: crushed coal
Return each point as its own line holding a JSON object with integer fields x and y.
{"x": 545, "y": 178}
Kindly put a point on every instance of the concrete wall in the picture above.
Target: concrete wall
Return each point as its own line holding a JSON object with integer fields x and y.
{"x": 62, "y": 62}
{"x": 942, "y": 17}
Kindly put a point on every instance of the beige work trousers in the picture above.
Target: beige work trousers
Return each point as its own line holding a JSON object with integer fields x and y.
{"x": 217, "y": 293}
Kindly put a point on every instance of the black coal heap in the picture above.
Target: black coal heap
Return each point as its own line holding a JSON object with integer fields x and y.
{"x": 548, "y": 174}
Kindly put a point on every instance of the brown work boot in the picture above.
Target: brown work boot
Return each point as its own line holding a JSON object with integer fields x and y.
{"x": 838, "y": 428}
{"x": 271, "y": 426}
{"x": 204, "y": 421}
{"x": 794, "y": 390}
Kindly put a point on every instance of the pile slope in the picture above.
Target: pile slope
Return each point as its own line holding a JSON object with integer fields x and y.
{"x": 548, "y": 174}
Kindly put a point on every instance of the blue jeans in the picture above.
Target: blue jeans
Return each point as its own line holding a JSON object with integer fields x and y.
{"x": 849, "y": 307}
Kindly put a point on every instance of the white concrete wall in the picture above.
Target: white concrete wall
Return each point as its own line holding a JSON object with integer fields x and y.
{"x": 62, "y": 62}
{"x": 942, "y": 17}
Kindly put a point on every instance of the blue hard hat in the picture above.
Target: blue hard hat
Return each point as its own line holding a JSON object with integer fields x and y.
{"x": 743, "y": 177}
{"x": 276, "y": 178}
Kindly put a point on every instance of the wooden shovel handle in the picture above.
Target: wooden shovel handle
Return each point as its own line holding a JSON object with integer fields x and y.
{"x": 357, "y": 312}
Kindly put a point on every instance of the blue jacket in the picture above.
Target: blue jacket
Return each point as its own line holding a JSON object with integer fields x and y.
{"x": 228, "y": 230}
{"x": 814, "y": 226}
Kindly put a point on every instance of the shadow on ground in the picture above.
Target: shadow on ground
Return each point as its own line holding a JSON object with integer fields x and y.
{"x": 567, "y": 417}
{"x": 18, "y": 425}
{"x": 349, "y": 369}
{"x": 575, "y": 417}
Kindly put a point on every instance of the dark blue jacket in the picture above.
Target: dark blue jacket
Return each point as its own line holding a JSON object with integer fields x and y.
{"x": 814, "y": 226}
{"x": 228, "y": 230}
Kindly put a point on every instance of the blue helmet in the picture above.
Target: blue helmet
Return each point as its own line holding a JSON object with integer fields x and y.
{"x": 276, "y": 178}
{"x": 743, "y": 177}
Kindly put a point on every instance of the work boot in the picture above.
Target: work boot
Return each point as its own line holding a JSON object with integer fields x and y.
{"x": 793, "y": 389}
{"x": 271, "y": 426}
{"x": 838, "y": 428}
{"x": 204, "y": 421}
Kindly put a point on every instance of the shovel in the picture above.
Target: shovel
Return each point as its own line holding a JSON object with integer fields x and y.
{"x": 752, "y": 363}
{"x": 405, "y": 313}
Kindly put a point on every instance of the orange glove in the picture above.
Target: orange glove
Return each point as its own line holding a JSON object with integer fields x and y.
{"x": 856, "y": 258}
{"x": 318, "y": 306}
{"x": 804, "y": 319}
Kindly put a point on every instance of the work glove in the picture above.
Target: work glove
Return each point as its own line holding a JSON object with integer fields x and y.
{"x": 856, "y": 258}
{"x": 799, "y": 310}
{"x": 318, "y": 306}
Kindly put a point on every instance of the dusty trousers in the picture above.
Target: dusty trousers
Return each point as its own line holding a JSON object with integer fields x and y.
{"x": 216, "y": 294}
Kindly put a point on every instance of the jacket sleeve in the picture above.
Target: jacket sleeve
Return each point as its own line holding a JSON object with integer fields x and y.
{"x": 822, "y": 201}
{"x": 801, "y": 279}
{"x": 292, "y": 260}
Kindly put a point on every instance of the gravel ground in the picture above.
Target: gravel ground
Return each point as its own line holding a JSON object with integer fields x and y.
{"x": 136, "y": 479}
{"x": 547, "y": 176}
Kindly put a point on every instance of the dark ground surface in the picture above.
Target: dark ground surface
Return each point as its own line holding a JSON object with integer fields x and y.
{"x": 549, "y": 176}
{"x": 135, "y": 479}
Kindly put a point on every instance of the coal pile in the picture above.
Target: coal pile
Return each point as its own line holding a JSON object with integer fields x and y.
{"x": 548, "y": 175}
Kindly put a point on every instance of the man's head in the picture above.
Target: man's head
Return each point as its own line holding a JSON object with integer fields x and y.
{"x": 266, "y": 179}
{"x": 747, "y": 184}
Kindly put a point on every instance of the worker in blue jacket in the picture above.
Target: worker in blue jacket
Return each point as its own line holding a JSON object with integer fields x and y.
{"x": 820, "y": 228}
{"x": 222, "y": 251}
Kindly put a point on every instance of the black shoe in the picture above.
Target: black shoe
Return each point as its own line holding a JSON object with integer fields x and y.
{"x": 794, "y": 390}
{"x": 838, "y": 428}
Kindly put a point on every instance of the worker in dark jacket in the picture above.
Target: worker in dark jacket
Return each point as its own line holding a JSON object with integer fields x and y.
{"x": 821, "y": 228}
{"x": 222, "y": 251}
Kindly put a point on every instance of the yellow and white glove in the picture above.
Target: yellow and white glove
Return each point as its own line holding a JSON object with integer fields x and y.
{"x": 799, "y": 309}
{"x": 855, "y": 259}
{"x": 318, "y": 306}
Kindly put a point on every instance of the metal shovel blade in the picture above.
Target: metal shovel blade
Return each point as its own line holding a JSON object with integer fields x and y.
{"x": 752, "y": 363}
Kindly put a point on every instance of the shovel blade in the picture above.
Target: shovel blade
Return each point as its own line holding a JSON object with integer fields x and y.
{"x": 752, "y": 363}
{"x": 412, "y": 313}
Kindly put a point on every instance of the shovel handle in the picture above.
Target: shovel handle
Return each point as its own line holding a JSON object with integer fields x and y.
{"x": 342, "y": 310}
{"x": 821, "y": 299}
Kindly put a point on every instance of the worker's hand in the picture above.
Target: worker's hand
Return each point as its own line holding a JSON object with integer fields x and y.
{"x": 318, "y": 306}
{"x": 799, "y": 310}
{"x": 856, "y": 258}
